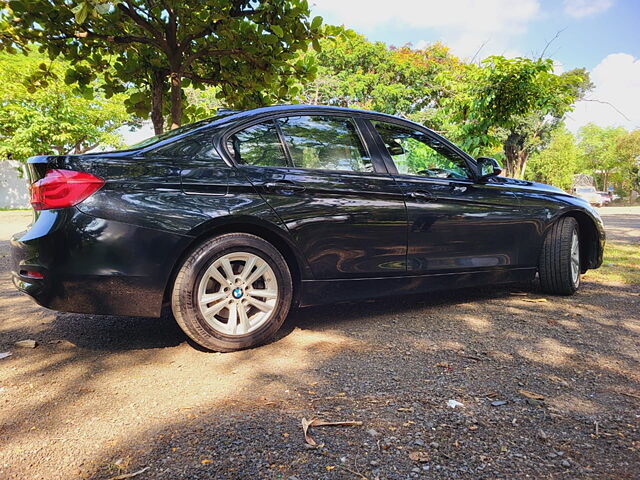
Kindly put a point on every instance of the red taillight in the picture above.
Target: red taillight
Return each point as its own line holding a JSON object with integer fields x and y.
{"x": 31, "y": 274}
{"x": 63, "y": 188}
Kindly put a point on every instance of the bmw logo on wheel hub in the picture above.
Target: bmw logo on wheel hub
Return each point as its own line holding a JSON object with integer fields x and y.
{"x": 237, "y": 293}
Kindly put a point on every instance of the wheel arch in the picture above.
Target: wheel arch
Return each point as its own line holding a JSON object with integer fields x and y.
{"x": 244, "y": 224}
{"x": 589, "y": 235}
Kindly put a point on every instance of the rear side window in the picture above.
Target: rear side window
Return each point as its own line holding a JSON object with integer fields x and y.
{"x": 196, "y": 145}
{"x": 258, "y": 145}
{"x": 325, "y": 143}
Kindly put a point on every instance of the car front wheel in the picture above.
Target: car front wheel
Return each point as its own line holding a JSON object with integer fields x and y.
{"x": 233, "y": 292}
{"x": 559, "y": 264}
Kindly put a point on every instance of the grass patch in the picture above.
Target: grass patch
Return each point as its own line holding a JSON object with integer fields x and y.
{"x": 621, "y": 264}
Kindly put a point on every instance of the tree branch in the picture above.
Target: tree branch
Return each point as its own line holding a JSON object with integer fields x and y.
{"x": 555, "y": 37}
{"x": 606, "y": 103}
{"x": 123, "y": 39}
{"x": 143, "y": 23}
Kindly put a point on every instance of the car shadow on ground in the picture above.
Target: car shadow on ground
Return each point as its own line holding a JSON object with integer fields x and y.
{"x": 116, "y": 334}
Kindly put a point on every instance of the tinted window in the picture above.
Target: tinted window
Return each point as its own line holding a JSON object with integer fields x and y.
{"x": 258, "y": 145}
{"x": 178, "y": 131}
{"x": 197, "y": 145}
{"x": 325, "y": 143}
{"x": 415, "y": 153}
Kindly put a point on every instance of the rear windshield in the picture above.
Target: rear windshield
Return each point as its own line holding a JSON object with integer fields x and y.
{"x": 176, "y": 132}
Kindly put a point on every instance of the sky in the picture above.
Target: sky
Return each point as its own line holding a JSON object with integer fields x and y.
{"x": 602, "y": 36}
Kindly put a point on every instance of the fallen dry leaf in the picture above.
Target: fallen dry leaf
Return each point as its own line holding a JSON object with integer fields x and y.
{"x": 129, "y": 475}
{"x": 528, "y": 394}
{"x": 421, "y": 457}
{"x": 314, "y": 422}
{"x": 206, "y": 461}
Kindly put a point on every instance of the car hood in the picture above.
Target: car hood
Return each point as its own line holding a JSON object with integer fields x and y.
{"x": 528, "y": 185}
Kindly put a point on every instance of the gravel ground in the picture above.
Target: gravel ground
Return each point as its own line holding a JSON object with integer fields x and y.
{"x": 104, "y": 396}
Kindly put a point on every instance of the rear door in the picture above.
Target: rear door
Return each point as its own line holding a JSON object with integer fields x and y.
{"x": 345, "y": 212}
{"x": 455, "y": 223}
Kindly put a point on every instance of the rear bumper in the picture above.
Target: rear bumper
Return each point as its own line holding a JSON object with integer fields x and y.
{"x": 92, "y": 265}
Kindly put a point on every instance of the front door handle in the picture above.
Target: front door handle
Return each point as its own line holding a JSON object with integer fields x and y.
{"x": 283, "y": 186}
{"x": 422, "y": 196}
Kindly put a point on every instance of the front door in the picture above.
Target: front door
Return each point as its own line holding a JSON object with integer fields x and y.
{"x": 345, "y": 212}
{"x": 455, "y": 223}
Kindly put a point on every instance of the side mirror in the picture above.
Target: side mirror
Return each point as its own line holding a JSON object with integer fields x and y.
{"x": 488, "y": 167}
{"x": 394, "y": 148}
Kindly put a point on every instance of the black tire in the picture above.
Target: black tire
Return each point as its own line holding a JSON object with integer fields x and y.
{"x": 184, "y": 302}
{"x": 554, "y": 267}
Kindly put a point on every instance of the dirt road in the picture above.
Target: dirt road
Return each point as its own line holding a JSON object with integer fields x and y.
{"x": 102, "y": 396}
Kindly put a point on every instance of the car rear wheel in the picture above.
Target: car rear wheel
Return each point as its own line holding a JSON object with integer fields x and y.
{"x": 233, "y": 292}
{"x": 559, "y": 265}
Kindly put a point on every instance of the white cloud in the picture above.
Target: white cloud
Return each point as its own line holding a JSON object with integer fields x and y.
{"x": 616, "y": 95}
{"x": 464, "y": 25}
{"x": 584, "y": 8}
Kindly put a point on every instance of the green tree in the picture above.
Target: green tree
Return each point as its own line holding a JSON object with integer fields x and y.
{"x": 353, "y": 72}
{"x": 558, "y": 162}
{"x": 599, "y": 156}
{"x": 628, "y": 151}
{"x": 52, "y": 118}
{"x": 514, "y": 103}
{"x": 248, "y": 48}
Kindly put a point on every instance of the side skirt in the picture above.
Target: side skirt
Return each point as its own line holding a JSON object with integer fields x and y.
{"x": 318, "y": 292}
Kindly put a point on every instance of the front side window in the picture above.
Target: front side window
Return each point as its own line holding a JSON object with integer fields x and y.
{"x": 416, "y": 153}
{"x": 324, "y": 143}
{"x": 258, "y": 145}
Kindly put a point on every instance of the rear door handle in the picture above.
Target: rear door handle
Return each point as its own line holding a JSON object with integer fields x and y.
{"x": 422, "y": 195}
{"x": 284, "y": 186}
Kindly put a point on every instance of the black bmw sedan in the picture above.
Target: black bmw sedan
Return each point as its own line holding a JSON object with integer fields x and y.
{"x": 233, "y": 220}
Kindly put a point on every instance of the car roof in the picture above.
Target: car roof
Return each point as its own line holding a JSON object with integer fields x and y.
{"x": 233, "y": 116}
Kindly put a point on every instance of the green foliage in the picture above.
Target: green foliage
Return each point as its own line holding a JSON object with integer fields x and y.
{"x": 41, "y": 115}
{"x": 628, "y": 151}
{"x": 556, "y": 164}
{"x": 598, "y": 155}
{"x": 354, "y": 72}
{"x": 248, "y": 49}
{"x": 598, "y": 147}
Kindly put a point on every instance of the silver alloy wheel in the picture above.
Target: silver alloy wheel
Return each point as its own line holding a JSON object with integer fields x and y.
{"x": 238, "y": 293}
{"x": 575, "y": 258}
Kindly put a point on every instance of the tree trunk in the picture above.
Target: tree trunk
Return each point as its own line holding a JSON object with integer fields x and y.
{"x": 523, "y": 156}
{"x": 511, "y": 154}
{"x": 516, "y": 156}
{"x": 157, "y": 93}
{"x": 176, "y": 100}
